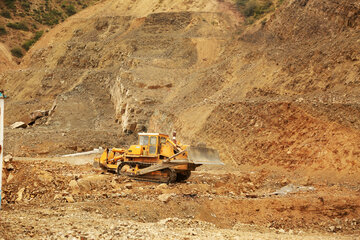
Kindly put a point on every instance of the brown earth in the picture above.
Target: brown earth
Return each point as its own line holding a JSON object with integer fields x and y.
{"x": 80, "y": 201}
{"x": 123, "y": 68}
{"x": 279, "y": 98}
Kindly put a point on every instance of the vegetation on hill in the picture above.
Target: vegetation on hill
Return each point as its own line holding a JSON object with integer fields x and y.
{"x": 255, "y": 9}
{"x": 17, "y": 52}
{"x": 33, "y": 17}
{"x": 2, "y": 30}
{"x": 18, "y": 26}
{"x": 32, "y": 41}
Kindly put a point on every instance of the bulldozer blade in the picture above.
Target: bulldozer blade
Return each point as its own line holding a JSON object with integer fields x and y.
{"x": 96, "y": 164}
{"x": 202, "y": 155}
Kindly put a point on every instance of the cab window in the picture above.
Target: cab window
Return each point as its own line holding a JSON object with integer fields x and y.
{"x": 152, "y": 148}
{"x": 152, "y": 140}
{"x": 144, "y": 140}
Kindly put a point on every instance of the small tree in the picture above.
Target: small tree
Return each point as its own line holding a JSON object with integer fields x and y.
{"x": 18, "y": 26}
{"x": 70, "y": 10}
{"x": 16, "y": 52}
{"x": 2, "y": 30}
{"x": 32, "y": 41}
{"x": 250, "y": 8}
{"x": 6, "y": 14}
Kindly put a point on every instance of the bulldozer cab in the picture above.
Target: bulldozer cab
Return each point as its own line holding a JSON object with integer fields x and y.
{"x": 151, "y": 143}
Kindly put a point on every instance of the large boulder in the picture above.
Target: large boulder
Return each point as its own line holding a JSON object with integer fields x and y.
{"x": 74, "y": 186}
{"x": 45, "y": 177}
{"x": 8, "y": 158}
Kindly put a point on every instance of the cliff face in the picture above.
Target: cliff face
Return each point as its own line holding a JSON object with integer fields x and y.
{"x": 283, "y": 91}
{"x": 104, "y": 71}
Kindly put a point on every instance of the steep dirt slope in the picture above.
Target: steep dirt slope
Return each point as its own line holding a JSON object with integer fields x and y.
{"x": 278, "y": 99}
{"x": 284, "y": 91}
{"x": 101, "y": 54}
{"x": 5, "y": 58}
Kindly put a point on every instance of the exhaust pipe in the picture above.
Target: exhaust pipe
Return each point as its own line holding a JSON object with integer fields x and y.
{"x": 174, "y": 137}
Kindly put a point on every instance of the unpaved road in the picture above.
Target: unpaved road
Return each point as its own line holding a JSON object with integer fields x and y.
{"x": 58, "y": 200}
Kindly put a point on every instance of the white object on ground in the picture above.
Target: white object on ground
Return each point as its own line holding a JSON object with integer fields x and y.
{"x": 96, "y": 150}
{"x": 291, "y": 189}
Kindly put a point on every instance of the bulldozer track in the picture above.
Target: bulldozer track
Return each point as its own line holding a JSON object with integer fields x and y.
{"x": 171, "y": 174}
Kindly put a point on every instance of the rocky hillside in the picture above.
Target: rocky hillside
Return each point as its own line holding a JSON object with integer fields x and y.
{"x": 23, "y": 22}
{"x": 105, "y": 70}
{"x": 283, "y": 90}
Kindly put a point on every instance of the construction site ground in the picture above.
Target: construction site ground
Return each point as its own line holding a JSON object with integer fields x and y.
{"x": 278, "y": 98}
{"x": 59, "y": 199}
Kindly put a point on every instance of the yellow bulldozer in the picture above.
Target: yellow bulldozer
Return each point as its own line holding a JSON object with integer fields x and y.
{"x": 157, "y": 158}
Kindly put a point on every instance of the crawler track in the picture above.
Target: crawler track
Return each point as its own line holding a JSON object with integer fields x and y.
{"x": 166, "y": 175}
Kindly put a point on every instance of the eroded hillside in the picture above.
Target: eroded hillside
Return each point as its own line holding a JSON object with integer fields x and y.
{"x": 283, "y": 90}
{"x": 115, "y": 68}
{"x": 278, "y": 98}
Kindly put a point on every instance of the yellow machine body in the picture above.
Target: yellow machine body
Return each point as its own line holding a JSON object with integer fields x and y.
{"x": 156, "y": 157}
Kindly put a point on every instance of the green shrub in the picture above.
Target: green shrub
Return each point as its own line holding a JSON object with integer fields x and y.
{"x": 38, "y": 35}
{"x": 50, "y": 17}
{"x": 250, "y": 8}
{"x": 241, "y": 3}
{"x": 254, "y": 9}
{"x": 25, "y": 5}
{"x": 18, "y": 26}
{"x": 70, "y": 10}
{"x": 10, "y": 4}
{"x": 32, "y": 41}
{"x": 6, "y": 14}
{"x": 2, "y": 30}
{"x": 47, "y": 4}
{"x": 26, "y": 45}
{"x": 16, "y": 52}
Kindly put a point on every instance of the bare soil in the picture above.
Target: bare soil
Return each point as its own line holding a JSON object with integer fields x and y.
{"x": 52, "y": 199}
{"x": 279, "y": 99}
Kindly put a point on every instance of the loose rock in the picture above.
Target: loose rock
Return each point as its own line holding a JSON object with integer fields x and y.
{"x": 57, "y": 196}
{"x": 20, "y": 195}
{"x": 9, "y": 178}
{"x": 18, "y": 125}
{"x": 162, "y": 186}
{"x": 10, "y": 167}
{"x": 45, "y": 177}
{"x": 8, "y": 158}
{"x": 69, "y": 199}
{"x": 165, "y": 197}
{"x": 74, "y": 186}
